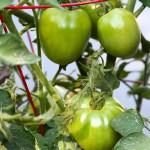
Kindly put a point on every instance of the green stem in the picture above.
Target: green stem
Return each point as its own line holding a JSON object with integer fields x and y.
{"x": 19, "y": 4}
{"x": 37, "y": 32}
{"x": 139, "y": 11}
{"x": 24, "y": 16}
{"x": 26, "y": 28}
{"x": 40, "y": 86}
{"x": 9, "y": 23}
{"x": 130, "y": 5}
{"x": 110, "y": 62}
{"x": 56, "y": 75}
{"x": 140, "y": 99}
{"x": 55, "y": 96}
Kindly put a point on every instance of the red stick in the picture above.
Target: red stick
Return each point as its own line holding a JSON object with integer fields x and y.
{"x": 63, "y": 5}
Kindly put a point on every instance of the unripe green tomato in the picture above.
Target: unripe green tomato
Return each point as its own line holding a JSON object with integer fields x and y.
{"x": 64, "y": 34}
{"x": 119, "y": 33}
{"x": 91, "y": 128}
{"x": 95, "y": 11}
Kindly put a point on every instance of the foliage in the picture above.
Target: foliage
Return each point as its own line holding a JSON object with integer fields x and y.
{"x": 37, "y": 119}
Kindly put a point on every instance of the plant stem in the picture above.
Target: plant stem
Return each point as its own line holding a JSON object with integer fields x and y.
{"x": 19, "y": 4}
{"x": 26, "y": 28}
{"x": 140, "y": 99}
{"x": 37, "y": 32}
{"x": 55, "y": 96}
{"x": 130, "y": 5}
{"x": 24, "y": 16}
{"x": 110, "y": 62}
{"x": 56, "y": 75}
{"x": 139, "y": 11}
{"x": 40, "y": 86}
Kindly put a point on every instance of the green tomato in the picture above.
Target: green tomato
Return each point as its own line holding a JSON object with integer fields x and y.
{"x": 95, "y": 11}
{"x": 118, "y": 33}
{"x": 64, "y": 34}
{"x": 93, "y": 14}
{"x": 91, "y": 128}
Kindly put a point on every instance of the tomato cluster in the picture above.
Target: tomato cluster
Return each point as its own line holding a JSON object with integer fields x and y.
{"x": 64, "y": 35}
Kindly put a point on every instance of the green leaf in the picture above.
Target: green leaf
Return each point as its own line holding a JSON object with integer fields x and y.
{"x": 145, "y": 44}
{"x": 53, "y": 3}
{"x": 134, "y": 141}
{"x": 51, "y": 136}
{"x": 20, "y": 138}
{"x": 139, "y": 55}
{"x": 143, "y": 91}
{"x": 13, "y": 51}
{"x": 6, "y": 104}
{"x": 4, "y": 3}
{"x": 121, "y": 73}
{"x": 41, "y": 142}
{"x": 146, "y": 2}
{"x": 128, "y": 122}
{"x": 110, "y": 82}
{"x": 102, "y": 78}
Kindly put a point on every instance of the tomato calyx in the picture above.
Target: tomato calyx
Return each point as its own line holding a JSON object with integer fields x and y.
{"x": 97, "y": 101}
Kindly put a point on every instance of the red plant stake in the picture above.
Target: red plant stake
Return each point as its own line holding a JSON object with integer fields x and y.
{"x": 63, "y": 5}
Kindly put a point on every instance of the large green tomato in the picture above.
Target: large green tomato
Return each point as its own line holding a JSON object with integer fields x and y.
{"x": 64, "y": 34}
{"x": 118, "y": 33}
{"x": 91, "y": 128}
{"x": 95, "y": 11}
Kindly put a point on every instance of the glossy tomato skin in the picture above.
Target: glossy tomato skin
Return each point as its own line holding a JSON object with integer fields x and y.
{"x": 93, "y": 14}
{"x": 64, "y": 34}
{"x": 119, "y": 33}
{"x": 91, "y": 128}
{"x": 95, "y": 11}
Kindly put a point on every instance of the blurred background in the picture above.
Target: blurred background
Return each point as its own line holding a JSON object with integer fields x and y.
{"x": 121, "y": 93}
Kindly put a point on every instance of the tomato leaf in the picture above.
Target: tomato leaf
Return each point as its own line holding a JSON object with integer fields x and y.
{"x": 143, "y": 91}
{"x": 128, "y": 122}
{"x": 57, "y": 137}
{"x": 110, "y": 82}
{"x": 41, "y": 142}
{"x": 145, "y": 44}
{"x": 121, "y": 73}
{"x": 20, "y": 138}
{"x": 139, "y": 55}
{"x": 13, "y": 51}
{"x": 4, "y": 3}
{"x": 145, "y": 2}
{"x": 53, "y": 3}
{"x": 6, "y": 103}
{"x": 102, "y": 78}
{"x": 134, "y": 141}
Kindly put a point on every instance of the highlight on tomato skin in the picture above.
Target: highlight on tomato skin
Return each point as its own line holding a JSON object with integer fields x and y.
{"x": 91, "y": 128}
{"x": 64, "y": 34}
{"x": 119, "y": 33}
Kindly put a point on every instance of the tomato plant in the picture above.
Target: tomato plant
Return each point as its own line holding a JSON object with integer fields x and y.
{"x": 60, "y": 27}
{"x": 63, "y": 106}
{"x": 118, "y": 32}
{"x": 91, "y": 128}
